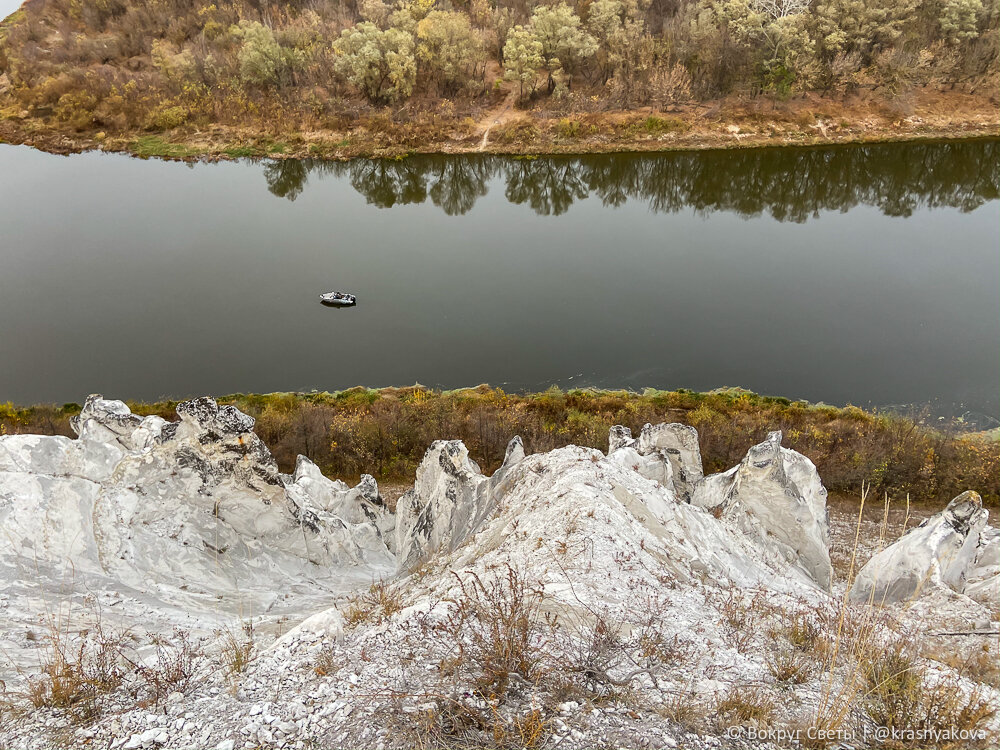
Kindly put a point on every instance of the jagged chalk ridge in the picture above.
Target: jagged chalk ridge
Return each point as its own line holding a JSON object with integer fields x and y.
{"x": 189, "y": 515}
{"x": 953, "y": 549}
{"x": 775, "y": 495}
{"x": 598, "y": 538}
{"x": 170, "y": 516}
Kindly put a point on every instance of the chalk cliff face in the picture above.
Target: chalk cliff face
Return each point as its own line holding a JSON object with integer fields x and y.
{"x": 952, "y": 550}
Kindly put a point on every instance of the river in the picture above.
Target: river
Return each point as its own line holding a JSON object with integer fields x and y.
{"x": 851, "y": 274}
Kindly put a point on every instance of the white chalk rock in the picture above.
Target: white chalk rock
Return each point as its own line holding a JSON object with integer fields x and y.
{"x": 317, "y": 496}
{"x": 677, "y": 444}
{"x": 952, "y": 549}
{"x": 166, "y": 509}
{"x": 670, "y": 455}
{"x": 328, "y": 624}
{"x": 613, "y": 516}
{"x": 983, "y": 580}
{"x": 775, "y": 495}
{"x": 449, "y": 501}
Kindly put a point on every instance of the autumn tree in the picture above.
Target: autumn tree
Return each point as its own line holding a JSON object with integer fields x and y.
{"x": 775, "y": 31}
{"x": 379, "y": 63}
{"x": 625, "y": 52}
{"x": 959, "y": 20}
{"x": 261, "y": 59}
{"x": 565, "y": 43}
{"x": 522, "y": 58}
{"x": 449, "y": 49}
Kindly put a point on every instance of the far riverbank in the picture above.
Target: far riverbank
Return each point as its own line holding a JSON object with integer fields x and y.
{"x": 806, "y": 121}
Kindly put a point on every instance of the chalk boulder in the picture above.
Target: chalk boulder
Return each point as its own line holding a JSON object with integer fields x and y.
{"x": 953, "y": 550}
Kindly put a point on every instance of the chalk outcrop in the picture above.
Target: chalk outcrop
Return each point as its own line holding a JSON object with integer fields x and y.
{"x": 667, "y": 453}
{"x": 177, "y": 511}
{"x": 952, "y": 550}
{"x": 449, "y": 501}
{"x": 775, "y": 495}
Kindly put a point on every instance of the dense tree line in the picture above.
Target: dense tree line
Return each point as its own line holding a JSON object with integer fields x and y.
{"x": 788, "y": 185}
{"x": 161, "y": 63}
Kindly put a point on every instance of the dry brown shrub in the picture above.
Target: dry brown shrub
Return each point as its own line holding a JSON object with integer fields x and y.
{"x": 498, "y": 627}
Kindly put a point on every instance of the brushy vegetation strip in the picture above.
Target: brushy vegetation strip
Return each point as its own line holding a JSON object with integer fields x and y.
{"x": 160, "y": 66}
{"x": 386, "y": 432}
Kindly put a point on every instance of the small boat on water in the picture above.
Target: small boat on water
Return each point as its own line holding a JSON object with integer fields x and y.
{"x": 338, "y": 299}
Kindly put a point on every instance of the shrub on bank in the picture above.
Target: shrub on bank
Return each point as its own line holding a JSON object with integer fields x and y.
{"x": 386, "y": 432}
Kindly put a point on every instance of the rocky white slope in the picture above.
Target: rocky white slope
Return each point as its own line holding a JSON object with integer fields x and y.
{"x": 185, "y": 523}
{"x": 632, "y": 583}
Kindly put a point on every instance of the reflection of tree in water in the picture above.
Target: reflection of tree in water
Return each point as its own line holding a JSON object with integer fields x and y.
{"x": 790, "y": 184}
{"x": 549, "y": 186}
{"x": 459, "y": 183}
{"x": 286, "y": 177}
{"x": 385, "y": 182}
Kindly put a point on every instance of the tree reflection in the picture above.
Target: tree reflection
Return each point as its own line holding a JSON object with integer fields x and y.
{"x": 459, "y": 183}
{"x": 789, "y": 184}
{"x": 387, "y": 182}
{"x": 549, "y": 186}
{"x": 286, "y": 177}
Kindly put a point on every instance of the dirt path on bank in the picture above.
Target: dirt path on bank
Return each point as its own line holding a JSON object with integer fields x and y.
{"x": 498, "y": 116}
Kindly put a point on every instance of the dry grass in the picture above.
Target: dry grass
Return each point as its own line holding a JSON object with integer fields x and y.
{"x": 742, "y": 705}
{"x": 741, "y": 616}
{"x": 374, "y": 606}
{"x": 76, "y": 673}
{"x": 901, "y": 695}
{"x": 979, "y": 663}
{"x": 84, "y": 674}
{"x": 238, "y": 648}
{"x": 327, "y": 662}
{"x": 178, "y": 666}
{"x": 876, "y": 675}
{"x": 444, "y": 722}
{"x": 686, "y": 709}
{"x": 790, "y": 667}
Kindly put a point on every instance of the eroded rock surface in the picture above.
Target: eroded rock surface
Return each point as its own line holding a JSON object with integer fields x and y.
{"x": 449, "y": 501}
{"x": 184, "y": 517}
{"x": 951, "y": 550}
{"x": 667, "y": 453}
{"x": 775, "y": 495}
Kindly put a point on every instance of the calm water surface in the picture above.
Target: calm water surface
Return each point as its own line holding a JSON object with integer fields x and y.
{"x": 868, "y": 275}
